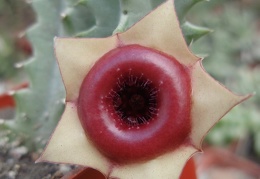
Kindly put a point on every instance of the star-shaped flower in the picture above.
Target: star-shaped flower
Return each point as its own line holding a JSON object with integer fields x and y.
{"x": 138, "y": 103}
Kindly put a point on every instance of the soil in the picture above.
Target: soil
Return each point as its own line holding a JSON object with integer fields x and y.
{"x": 17, "y": 163}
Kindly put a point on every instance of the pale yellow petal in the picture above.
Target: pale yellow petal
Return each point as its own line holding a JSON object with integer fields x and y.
{"x": 169, "y": 165}
{"x": 77, "y": 56}
{"x": 69, "y": 144}
{"x": 160, "y": 30}
{"x": 211, "y": 101}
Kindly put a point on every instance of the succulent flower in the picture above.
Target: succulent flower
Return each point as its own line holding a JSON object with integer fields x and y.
{"x": 138, "y": 103}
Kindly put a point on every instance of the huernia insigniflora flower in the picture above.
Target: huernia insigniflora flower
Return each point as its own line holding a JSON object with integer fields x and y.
{"x": 138, "y": 103}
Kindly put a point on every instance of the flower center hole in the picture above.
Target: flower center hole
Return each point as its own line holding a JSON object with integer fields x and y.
{"x": 135, "y": 100}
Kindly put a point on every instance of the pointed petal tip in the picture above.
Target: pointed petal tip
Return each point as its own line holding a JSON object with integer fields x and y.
{"x": 240, "y": 97}
{"x": 39, "y": 160}
{"x": 55, "y": 38}
{"x": 244, "y": 97}
{"x": 65, "y": 143}
{"x": 166, "y": 36}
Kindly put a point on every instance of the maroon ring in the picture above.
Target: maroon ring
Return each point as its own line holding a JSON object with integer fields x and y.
{"x": 166, "y": 130}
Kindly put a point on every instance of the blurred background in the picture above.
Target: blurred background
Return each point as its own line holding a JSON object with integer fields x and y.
{"x": 15, "y": 18}
{"x": 232, "y": 56}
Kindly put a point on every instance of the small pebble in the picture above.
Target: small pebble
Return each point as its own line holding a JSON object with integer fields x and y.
{"x": 64, "y": 168}
{"x": 17, "y": 167}
{"x": 12, "y": 174}
{"x": 18, "y": 152}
